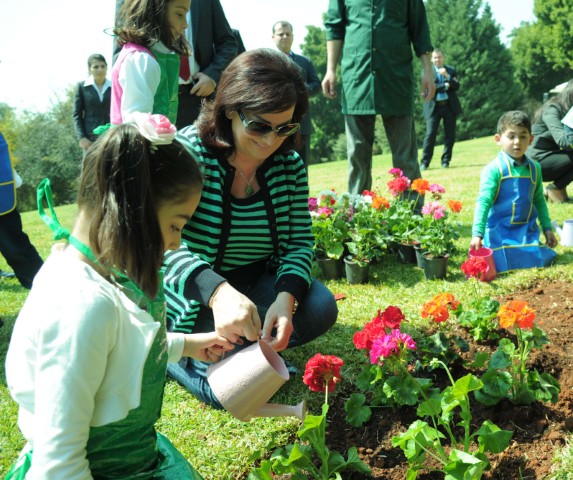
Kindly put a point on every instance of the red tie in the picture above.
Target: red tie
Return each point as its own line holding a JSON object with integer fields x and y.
{"x": 184, "y": 71}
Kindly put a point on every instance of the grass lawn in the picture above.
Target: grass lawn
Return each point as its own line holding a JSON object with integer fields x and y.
{"x": 219, "y": 446}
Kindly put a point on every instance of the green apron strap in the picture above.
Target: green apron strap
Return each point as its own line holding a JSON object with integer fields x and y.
{"x": 44, "y": 191}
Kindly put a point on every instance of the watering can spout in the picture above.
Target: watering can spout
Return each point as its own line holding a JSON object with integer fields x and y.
{"x": 278, "y": 410}
{"x": 557, "y": 228}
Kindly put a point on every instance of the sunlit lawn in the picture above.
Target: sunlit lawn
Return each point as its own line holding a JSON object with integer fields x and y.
{"x": 220, "y": 446}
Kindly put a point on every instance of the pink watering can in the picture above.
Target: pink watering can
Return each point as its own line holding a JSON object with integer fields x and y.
{"x": 487, "y": 255}
{"x": 246, "y": 380}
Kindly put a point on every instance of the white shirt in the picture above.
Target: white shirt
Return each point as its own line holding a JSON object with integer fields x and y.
{"x": 90, "y": 81}
{"x": 76, "y": 360}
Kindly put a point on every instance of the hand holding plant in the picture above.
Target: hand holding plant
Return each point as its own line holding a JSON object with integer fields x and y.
{"x": 311, "y": 458}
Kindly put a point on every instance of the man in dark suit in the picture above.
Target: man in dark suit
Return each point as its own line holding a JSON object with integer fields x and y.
{"x": 283, "y": 38}
{"x": 214, "y": 46}
{"x": 445, "y": 105}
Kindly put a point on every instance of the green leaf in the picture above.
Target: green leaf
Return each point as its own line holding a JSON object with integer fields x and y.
{"x": 480, "y": 360}
{"x": 264, "y": 472}
{"x": 501, "y": 359}
{"x": 355, "y": 463}
{"x": 356, "y": 412}
{"x": 403, "y": 389}
{"x": 496, "y": 383}
{"x": 491, "y": 438}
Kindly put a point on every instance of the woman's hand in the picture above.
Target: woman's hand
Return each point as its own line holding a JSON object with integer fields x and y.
{"x": 207, "y": 347}
{"x": 235, "y": 315}
{"x": 279, "y": 317}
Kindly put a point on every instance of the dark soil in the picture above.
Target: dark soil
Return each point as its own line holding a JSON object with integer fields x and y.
{"x": 539, "y": 430}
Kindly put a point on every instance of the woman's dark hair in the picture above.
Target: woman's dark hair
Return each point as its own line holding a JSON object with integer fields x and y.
{"x": 96, "y": 57}
{"x": 144, "y": 22}
{"x": 564, "y": 100}
{"x": 123, "y": 183}
{"x": 261, "y": 81}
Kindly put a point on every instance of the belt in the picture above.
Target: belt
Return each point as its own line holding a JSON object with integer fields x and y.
{"x": 441, "y": 103}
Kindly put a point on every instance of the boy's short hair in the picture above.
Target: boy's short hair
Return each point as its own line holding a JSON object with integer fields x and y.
{"x": 513, "y": 117}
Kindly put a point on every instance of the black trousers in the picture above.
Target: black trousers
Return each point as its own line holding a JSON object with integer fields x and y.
{"x": 189, "y": 106}
{"x": 557, "y": 167}
{"x": 17, "y": 249}
{"x": 441, "y": 112}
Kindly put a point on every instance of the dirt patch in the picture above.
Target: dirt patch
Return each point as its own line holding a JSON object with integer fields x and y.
{"x": 539, "y": 430}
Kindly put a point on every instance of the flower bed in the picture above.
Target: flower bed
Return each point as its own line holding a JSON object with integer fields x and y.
{"x": 538, "y": 429}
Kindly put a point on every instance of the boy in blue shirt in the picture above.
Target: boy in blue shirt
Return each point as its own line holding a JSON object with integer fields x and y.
{"x": 510, "y": 201}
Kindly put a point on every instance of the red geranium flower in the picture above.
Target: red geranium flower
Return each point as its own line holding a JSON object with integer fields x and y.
{"x": 322, "y": 372}
{"x": 377, "y": 327}
{"x": 475, "y": 267}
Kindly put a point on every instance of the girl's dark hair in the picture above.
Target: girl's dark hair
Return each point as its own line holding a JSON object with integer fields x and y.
{"x": 144, "y": 22}
{"x": 96, "y": 57}
{"x": 261, "y": 81}
{"x": 564, "y": 100}
{"x": 123, "y": 183}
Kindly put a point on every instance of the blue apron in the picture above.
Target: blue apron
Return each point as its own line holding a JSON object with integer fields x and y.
{"x": 511, "y": 229}
{"x": 7, "y": 180}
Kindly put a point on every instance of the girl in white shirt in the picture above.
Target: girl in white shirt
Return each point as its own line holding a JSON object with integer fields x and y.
{"x": 88, "y": 355}
{"x": 145, "y": 75}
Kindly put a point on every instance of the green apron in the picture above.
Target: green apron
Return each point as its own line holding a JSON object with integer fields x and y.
{"x": 166, "y": 99}
{"x": 130, "y": 448}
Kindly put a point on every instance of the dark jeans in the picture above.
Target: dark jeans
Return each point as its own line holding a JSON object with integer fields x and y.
{"x": 316, "y": 313}
{"x": 558, "y": 168}
{"x": 441, "y": 112}
{"x": 16, "y": 248}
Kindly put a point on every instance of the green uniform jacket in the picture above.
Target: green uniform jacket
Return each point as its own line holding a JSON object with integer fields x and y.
{"x": 378, "y": 35}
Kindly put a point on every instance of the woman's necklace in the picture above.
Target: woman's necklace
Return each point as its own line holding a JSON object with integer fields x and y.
{"x": 248, "y": 189}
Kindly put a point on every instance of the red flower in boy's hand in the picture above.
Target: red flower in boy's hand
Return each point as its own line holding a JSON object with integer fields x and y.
{"x": 475, "y": 267}
{"x": 322, "y": 371}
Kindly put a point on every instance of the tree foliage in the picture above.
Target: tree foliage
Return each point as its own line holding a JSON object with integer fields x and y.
{"x": 326, "y": 115}
{"x": 44, "y": 145}
{"x": 542, "y": 50}
{"x": 469, "y": 37}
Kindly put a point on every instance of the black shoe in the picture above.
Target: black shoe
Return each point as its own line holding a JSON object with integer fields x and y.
{"x": 445, "y": 165}
{"x": 423, "y": 166}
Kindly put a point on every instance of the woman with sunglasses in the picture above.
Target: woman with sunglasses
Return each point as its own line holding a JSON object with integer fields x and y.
{"x": 244, "y": 267}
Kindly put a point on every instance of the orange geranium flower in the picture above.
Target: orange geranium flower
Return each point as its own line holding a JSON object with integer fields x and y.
{"x": 436, "y": 311}
{"x": 380, "y": 202}
{"x": 421, "y": 186}
{"x": 455, "y": 206}
{"x": 448, "y": 300}
{"x": 516, "y": 312}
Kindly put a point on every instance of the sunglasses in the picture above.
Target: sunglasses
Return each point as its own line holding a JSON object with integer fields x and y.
{"x": 261, "y": 129}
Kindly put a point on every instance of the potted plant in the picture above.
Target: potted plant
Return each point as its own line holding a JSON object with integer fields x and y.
{"x": 330, "y": 218}
{"x": 437, "y": 235}
{"x": 368, "y": 237}
{"x": 403, "y": 221}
